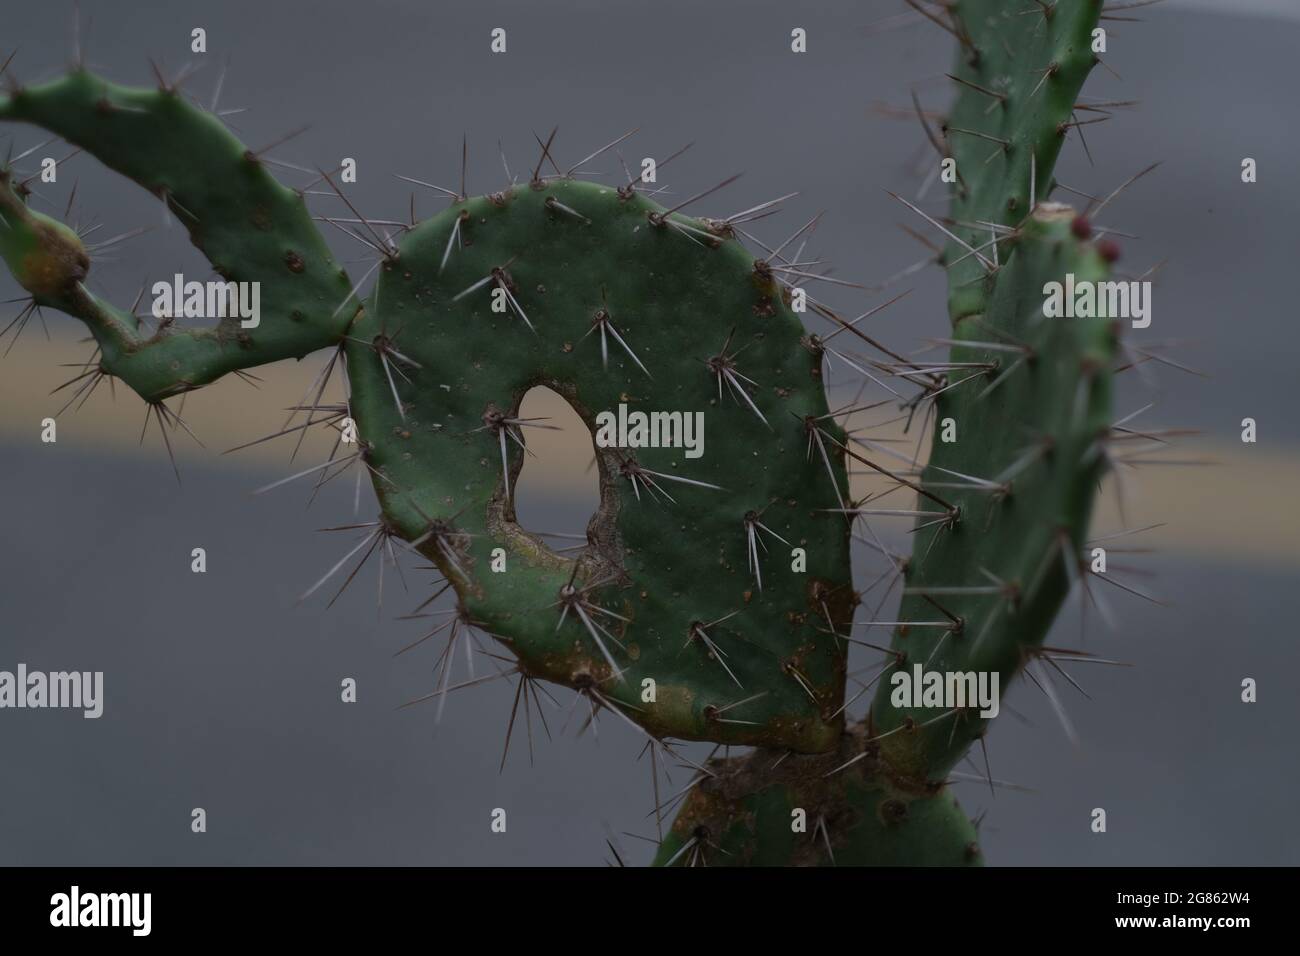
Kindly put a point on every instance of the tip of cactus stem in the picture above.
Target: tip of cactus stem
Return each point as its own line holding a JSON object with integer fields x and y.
{"x": 46, "y": 257}
{"x": 56, "y": 263}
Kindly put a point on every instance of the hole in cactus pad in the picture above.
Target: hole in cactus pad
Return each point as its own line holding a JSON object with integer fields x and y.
{"x": 558, "y": 488}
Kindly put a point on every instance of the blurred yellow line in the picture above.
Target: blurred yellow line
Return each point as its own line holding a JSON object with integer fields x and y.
{"x": 1228, "y": 511}
{"x": 226, "y": 414}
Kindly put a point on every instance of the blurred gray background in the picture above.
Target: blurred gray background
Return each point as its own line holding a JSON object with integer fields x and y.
{"x": 222, "y": 693}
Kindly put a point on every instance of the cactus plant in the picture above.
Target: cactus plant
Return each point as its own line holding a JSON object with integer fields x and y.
{"x": 714, "y": 598}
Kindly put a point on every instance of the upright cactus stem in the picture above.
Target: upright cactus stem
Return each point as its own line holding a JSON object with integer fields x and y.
{"x": 1020, "y": 476}
{"x": 1033, "y": 413}
{"x": 713, "y": 599}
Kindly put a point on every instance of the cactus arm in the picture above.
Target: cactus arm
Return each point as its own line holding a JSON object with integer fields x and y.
{"x": 250, "y": 227}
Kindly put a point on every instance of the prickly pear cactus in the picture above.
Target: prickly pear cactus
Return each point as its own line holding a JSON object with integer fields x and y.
{"x": 713, "y": 599}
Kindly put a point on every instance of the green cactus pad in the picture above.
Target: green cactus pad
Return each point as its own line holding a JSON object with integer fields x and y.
{"x": 666, "y": 579}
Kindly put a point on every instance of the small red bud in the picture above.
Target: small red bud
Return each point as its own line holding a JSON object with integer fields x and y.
{"x": 1108, "y": 250}
{"x": 1081, "y": 228}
